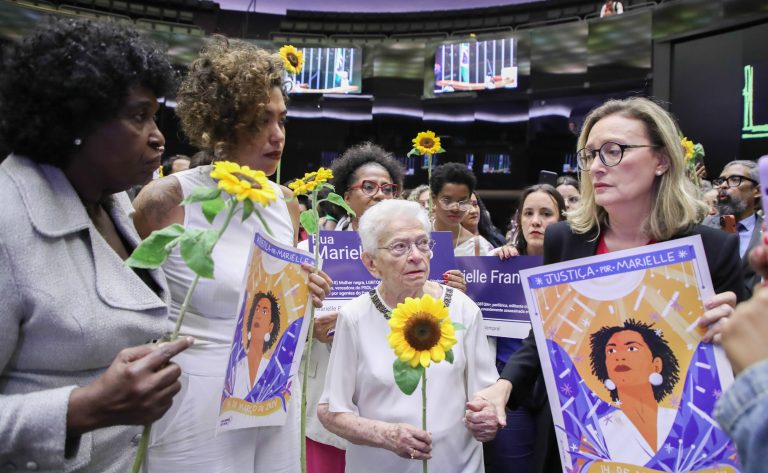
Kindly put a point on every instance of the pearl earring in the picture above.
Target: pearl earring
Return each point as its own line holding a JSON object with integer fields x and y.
{"x": 78, "y": 142}
{"x": 249, "y": 336}
{"x": 609, "y": 384}
{"x": 267, "y": 337}
{"x": 655, "y": 379}
{"x": 659, "y": 173}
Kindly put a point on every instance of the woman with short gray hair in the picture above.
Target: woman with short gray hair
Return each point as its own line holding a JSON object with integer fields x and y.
{"x": 361, "y": 401}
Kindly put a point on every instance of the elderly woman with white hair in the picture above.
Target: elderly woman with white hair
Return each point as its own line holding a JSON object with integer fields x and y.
{"x": 361, "y": 401}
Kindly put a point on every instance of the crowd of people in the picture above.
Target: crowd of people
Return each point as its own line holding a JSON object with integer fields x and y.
{"x": 84, "y": 132}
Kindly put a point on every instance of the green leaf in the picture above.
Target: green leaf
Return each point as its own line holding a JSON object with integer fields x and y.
{"x": 153, "y": 251}
{"x": 211, "y": 208}
{"x": 458, "y": 326}
{"x": 247, "y": 209}
{"x": 196, "y": 246}
{"x": 441, "y": 150}
{"x": 308, "y": 221}
{"x": 201, "y": 194}
{"x": 449, "y": 356}
{"x": 407, "y": 378}
{"x": 335, "y": 198}
{"x": 414, "y": 152}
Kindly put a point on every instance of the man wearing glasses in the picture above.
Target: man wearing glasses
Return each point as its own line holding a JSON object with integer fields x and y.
{"x": 737, "y": 194}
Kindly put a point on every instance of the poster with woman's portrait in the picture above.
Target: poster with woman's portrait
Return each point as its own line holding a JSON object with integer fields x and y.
{"x": 269, "y": 337}
{"x": 631, "y": 385}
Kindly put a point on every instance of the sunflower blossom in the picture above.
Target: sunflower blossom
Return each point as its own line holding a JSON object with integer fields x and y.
{"x": 243, "y": 182}
{"x": 427, "y": 142}
{"x": 421, "y": 331}
{"x": 292, "y": 58}
{"x": 310, "y": 181}
{"x": 687, "y": 148}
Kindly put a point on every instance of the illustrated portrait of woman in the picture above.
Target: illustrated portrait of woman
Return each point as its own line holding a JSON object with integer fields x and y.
{"x": 638, "y": 368}
{"x": 261, "y": 328}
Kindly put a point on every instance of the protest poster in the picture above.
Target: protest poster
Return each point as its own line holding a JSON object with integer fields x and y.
{"x": 496, "y": 288}
{"x": 269, "y": 337}
{"x": 340, "y": 253}
{"x": 631, "y": 385}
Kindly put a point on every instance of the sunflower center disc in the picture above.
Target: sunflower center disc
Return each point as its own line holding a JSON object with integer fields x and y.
{"x": 422, "y": 331}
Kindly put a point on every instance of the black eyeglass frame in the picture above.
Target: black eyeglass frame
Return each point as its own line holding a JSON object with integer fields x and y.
{"x": 718, "y": 181}
{"x": 580, "y": 158}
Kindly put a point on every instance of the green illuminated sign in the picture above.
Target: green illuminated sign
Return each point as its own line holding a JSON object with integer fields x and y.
{"x": 750, "y": 130}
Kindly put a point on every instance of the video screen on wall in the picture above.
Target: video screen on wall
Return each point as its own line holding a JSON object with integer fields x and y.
{"x": 476, "y": 65}
{"x": 329, "y": 71}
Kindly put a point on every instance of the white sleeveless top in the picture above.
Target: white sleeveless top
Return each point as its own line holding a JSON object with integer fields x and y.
{"x": 212, "y": 311}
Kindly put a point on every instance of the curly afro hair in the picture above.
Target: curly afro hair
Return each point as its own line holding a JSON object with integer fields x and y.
{"x": 225, "y": 92}
{"x": 64, "y": 81}
{"x": 354, "y": 158}
{"x": 452, "y": 173}
{"x": 670, "y": 371}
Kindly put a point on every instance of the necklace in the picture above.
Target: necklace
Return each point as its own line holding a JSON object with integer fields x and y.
{"x": 381, "y": 307}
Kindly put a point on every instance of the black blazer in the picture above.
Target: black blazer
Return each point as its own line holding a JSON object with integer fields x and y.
{"x": 523, "y": 368}
{"x": 750, "y": 277}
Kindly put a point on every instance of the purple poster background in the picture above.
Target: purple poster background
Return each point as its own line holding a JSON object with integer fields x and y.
{"x": 496, "y": 288}
{"x": 340, "y": 255}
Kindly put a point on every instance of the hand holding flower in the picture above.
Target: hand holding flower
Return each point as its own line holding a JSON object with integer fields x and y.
{"x": 409, "y": 442}
{"x": 137, "y": 388}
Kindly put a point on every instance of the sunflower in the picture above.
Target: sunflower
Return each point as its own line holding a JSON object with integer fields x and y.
{"x": 293, "y": 59}
{"x": 310, "y": 181}
{"x": 243, "y": 182}
{"x": 421, "y": 331}
{"x": 687, "y": 148}
{"x": 427, "y": 142}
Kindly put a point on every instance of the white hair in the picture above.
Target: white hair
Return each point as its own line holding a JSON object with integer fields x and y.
{"x": 384, "y": 214}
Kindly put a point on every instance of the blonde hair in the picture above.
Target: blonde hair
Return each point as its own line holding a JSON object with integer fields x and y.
{"x": 675, "y": 207}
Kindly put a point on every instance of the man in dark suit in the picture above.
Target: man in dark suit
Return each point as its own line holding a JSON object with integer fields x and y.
{"x": 738, "y": 194}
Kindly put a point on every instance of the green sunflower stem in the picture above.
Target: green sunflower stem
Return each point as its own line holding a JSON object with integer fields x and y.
{"x": 277, "y": 175}
{"x": 141, "y": 452}
{"x": 429, "y": 183}
{"x": 424, "y": 411}
{"x": 310, "y": 337}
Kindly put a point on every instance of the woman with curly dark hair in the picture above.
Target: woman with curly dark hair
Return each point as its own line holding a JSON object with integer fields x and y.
{"x": 639, "y": 369}
{"x": 365, "y": 175}
{"x": 230, "y": 105}
{"x": 77, "y": 107}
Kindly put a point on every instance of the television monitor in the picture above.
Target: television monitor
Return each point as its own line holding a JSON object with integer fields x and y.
{"x": 328, "y": 71}
{"x": 476, "y": 65}
{"x": 409, "y": 163}
{"x": 497, "y": 163}
{"x": 435, "y": 161}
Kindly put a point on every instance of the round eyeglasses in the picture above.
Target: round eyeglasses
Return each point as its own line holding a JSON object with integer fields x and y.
{"x": 448, "y": 204}
{"x": 399, "y": 249}
{"x": 610, "y": 154}
{"x": 370, "y": 188}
